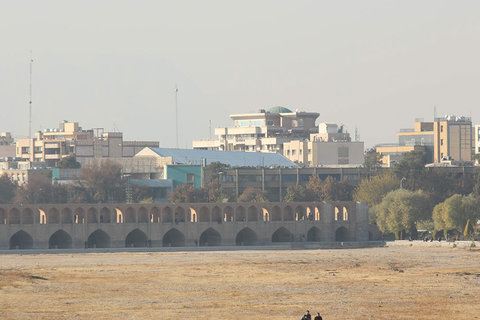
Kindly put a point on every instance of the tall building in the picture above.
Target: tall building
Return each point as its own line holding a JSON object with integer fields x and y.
{"x": 51, "y": 145}
{"x": 265, "y": 131}
{"x": 449, "y": 137}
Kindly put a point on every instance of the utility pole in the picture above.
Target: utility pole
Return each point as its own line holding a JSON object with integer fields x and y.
{"x": 30, "y": 100}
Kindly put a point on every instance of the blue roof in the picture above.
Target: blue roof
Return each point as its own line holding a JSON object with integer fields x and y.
{"x": 232, "y": 158}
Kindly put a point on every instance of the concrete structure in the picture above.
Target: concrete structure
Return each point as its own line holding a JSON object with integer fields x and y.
{"x": 265, "y": 131}
{"x": 448, "y": 138}
{"x": 476, "y": 139}
{"x": 22, "y": 176}
{"x": 181, "y": 174}
{"x": 187, "y": 224}
{"x": 7, "y": 145}
{"x": 51, "y": 145}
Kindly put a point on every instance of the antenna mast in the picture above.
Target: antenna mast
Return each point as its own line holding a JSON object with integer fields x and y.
{"x": 176, "y": 115}
{"x": 30, "y": 100}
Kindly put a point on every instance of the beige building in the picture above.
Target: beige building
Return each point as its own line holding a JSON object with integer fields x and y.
{"x": 51, "y": 145}
{"x": 265, "y": 131}
{"x": 330, "y": 146}
{"x": 449, "y": 137}
{"x": 7, "y": 145}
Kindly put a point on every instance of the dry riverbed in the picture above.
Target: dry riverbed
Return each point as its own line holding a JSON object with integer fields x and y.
{"x": 374, "y": 283}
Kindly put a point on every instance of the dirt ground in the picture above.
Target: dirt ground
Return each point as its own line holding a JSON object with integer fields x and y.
{"x": 374, "y": 283}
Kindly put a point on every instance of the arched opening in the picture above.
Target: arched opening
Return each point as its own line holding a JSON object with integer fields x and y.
{"x": 119, "y": 215}
{"x": 193, "y": 215}
{"x": 79, "y": 216}
{"x": 136, "y": 238}
{"x": 287, "y": 214}
{"x": 179, "y": 214}
{"x": 318, "y": 216}
{"x": 14, "y": 216}
{"x": 42, "y": 216}
{"x": 266, "y": 214}
{"x": 3, "y": 216}
{"x": 313, "y": 234}
{"x": 173, "y": 238}
{"x": 210, "y": 237}
{"x": 252, "y": 213}
{"x": 216, "y": 215}
{"x": 60, "y": 240}
{"x": 130, "y": 215}
{"x": 21, "y": 240}
{"x": 345, "y": 214}
{"x": 282, "y": 235}
{"x": 66, "y": 216}
{"x": 204, "y": 215}
{"x": 142, "y": 215}
{"x": 53, "y": 216}
{"x": 105, "y": 215}
{"x": 98, "y": 239}
{"x": 338, "y": 216}
{"x": 27, "y": 216}
{"x": 276, "y": 214}
{"x": 92, "y": 215}
{"x": 341, "y": 234}
{"x": 167, "y": 215}
{"x": 228, "y": 214}
{"x": 240, "y": 214}
{"x": 155, "y": 215}
{"x": 300, "y": 213}
{"x": 246, "y": 237}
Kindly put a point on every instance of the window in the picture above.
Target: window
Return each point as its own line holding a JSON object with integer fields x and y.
{"x": 190, "y": 178}
{"x": 25, "y": 150}
{"x": 441, "y": 128}
{"x": 288, "y": 152}
{"x": 38, "y": 149}
{"x": 309, "y": 151}
{"x": 293, "y": 152}
{"x": 441, "y": 142}
{"x": 301, "y": 151}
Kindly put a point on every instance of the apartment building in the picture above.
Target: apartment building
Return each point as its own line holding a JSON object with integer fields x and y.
{"x": 51, "y": 145}
{"x": 265, "y": 131}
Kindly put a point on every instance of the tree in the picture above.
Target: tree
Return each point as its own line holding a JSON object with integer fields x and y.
{"x": 314, "y": 189}
{"x": 214, "y": 169}
{"x": 400, "y": 210}
{"x": 7, "y": 189}
{"x": 373, "y": 190}
{"x": 334, "y": 190}
{"x": 372, "y": 160}
{"x": 187, "y": 193}
{"x": 68, "y": 162}
{"x": 455, "y": 212}
{"x": 40, "y": 189}
{"x": 251, "y": 194}
{"x": 296, "y": 193}
{"x": 103, "y": 181}
{"x": 412, "y": 168}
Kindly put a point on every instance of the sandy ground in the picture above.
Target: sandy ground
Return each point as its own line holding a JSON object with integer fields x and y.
{"x": 374, "y": 283}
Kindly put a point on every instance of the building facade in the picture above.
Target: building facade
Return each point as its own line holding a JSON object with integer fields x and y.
{"x": 265, "y": 131}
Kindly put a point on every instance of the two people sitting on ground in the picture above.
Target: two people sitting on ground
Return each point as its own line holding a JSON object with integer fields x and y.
{"x": 308, "y": 316}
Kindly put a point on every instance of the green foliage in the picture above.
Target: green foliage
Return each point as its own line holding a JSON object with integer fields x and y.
{"x": 400, "y": 210}
{"x": 374, "y": 189}
{"x": 40, "y": 189}
{"x": 372, "y": 160}
{"x": 253, "y": 195}
{"x": 296, "y": 193}
{"x": 327, "y": 190}
{"x": 455, "y": 213}
{"x": 102, "y": 182}
{"x": 411, "y": 167}
{"x": 7, "y": 189}
{"x": 188, "y": 193}
{"x": 68, "y": 162}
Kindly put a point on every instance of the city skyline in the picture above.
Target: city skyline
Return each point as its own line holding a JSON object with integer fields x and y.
{"x": 116, "y": 64}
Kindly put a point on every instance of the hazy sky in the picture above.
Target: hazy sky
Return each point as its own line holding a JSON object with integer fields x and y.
{"x": 374, "y": 65}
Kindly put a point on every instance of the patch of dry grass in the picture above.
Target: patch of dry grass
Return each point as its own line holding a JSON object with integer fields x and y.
{"x": 377, "y": 283}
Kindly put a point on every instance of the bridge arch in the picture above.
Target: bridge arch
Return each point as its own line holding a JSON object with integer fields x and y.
{"x": 130, "y": 215}
{"x": 21, "y": 240}
{"x": 240, "y": 215}
{"x": 217, "y": 215}
{"x": 98, "y": 239}
{"x": 79, "y": 216}
{"x": 179, "y": 214}
{"x": 281, "y": 235}
{"x": 228, "y": 214}
{"x": 104, "y": 216}
{"x": 14, "y": 216}
{"x": 288, "y": 214}
{"x": 142, "y": 215}
{"x": 342, "y": 234}
{"x": 3, "y": 216}
{"x": 53, "y": 216}
{"x": 210, "y": 237}
{"x": 252, "y": 214}
{"x": 300, "y": 213}
{"x": 60, "y": 240}
{"x": 204, "y": 215}
{"x": 27, "y": 216}
{"x": 246, "y": 237}
{"x": 66, "y": 216}
{"x": 92, "y": 215}
{"x": 167, "y": 215}
{"x": 136, "y": 238}
{"x": 313, "y": 234}
{"x": 173, "y": 238}
{"x": 276, "y": 214}
{"x": 155, "y": 215}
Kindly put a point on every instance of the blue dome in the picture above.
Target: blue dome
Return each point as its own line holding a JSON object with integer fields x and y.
{"x": 279, "y": 110}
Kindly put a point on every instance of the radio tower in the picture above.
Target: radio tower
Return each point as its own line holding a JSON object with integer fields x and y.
{"x": 30, "y": 100}
{"x": 176, "y": 115}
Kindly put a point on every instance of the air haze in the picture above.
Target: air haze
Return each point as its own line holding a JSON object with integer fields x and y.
{"x": 374, "y": 65}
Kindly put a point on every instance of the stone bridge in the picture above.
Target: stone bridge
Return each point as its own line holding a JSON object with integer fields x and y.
{"x": 62, "y": 226}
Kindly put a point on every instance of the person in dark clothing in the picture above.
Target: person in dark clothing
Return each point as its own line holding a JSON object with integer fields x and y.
{"x": 307, "y": 316}
{"x": 318, "y": 317}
